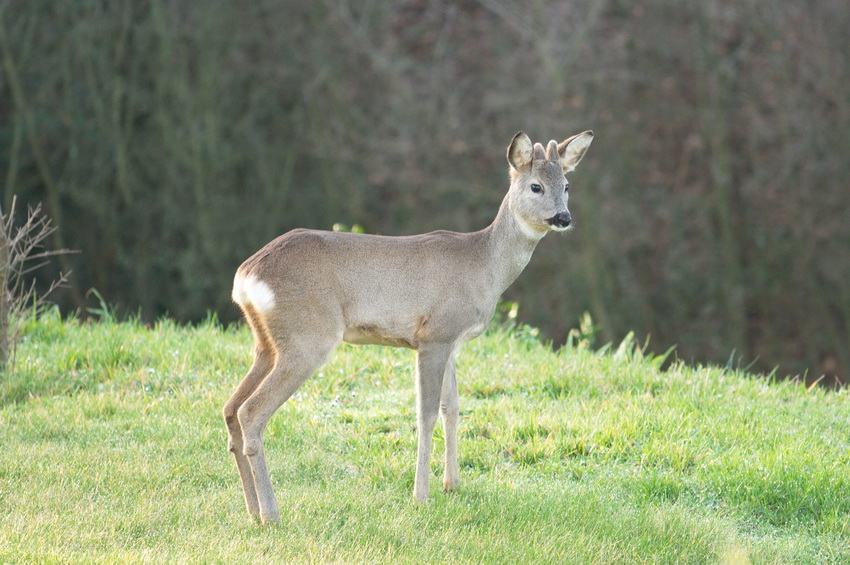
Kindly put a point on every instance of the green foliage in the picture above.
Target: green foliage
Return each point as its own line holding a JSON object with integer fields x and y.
{"x": 585, "y": 334}
{"x": 171, "y": 140}
{"x": 114, "y": 452}
{"x": 356, "y": 228}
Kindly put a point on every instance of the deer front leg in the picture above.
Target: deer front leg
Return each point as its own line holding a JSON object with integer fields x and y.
{"x": 431, "y": 362}
{"x": 450, "y": 409}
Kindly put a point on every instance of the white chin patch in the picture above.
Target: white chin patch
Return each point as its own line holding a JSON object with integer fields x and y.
{"x": 252, "y": 291}
{"x": 527, "y": 230}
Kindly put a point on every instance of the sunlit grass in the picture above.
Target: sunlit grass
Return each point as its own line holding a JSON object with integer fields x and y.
{"x": 114, "y": 452}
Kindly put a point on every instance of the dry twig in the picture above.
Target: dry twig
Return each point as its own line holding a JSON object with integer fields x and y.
{"x": 22, "y": 252}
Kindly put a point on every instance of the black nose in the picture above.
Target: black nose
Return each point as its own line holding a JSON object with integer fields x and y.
{"x": 561, "y": 220}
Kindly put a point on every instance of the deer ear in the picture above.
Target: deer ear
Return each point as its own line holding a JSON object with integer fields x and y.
{"x": 573, "y": 149}
{"x": 519, "y": 151}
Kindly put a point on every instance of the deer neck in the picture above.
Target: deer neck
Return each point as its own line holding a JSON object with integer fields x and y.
{"x": 511, "y": 245}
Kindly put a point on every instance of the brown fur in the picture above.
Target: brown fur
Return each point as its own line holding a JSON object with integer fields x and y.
{"x": 306, "y": 291}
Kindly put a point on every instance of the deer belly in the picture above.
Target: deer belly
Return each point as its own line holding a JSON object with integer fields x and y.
{"x": 373, "y": 335}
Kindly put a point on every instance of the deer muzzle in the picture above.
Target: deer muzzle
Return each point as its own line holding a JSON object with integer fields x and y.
{"x": 560, "y": 221}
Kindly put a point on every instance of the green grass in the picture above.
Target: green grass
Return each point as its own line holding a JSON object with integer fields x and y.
{"x": 113, "y": 451}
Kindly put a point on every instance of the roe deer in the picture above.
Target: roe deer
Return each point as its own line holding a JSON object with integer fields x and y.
{"x": 308, "y": 290}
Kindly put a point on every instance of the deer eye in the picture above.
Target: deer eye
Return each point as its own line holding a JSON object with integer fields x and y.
{"x": 536, "y": 188}
{"x": 567, "y": 187}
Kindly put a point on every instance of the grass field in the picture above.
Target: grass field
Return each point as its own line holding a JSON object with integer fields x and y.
{"x": 113, "y": 450}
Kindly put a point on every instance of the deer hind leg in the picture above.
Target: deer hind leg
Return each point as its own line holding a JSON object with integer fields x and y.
{"x": 296, "y": 359}
{"x": 262, "y": 365}
{"x": 263, "y": 362}
{"x": 431, "y": 366}
{"x": 450, "y": 409}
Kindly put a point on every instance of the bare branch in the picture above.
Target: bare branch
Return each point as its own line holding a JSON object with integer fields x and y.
{"x": 22, "y": 252}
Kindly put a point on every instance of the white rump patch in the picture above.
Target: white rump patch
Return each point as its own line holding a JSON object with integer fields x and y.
{"x": 252, "y": 291}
